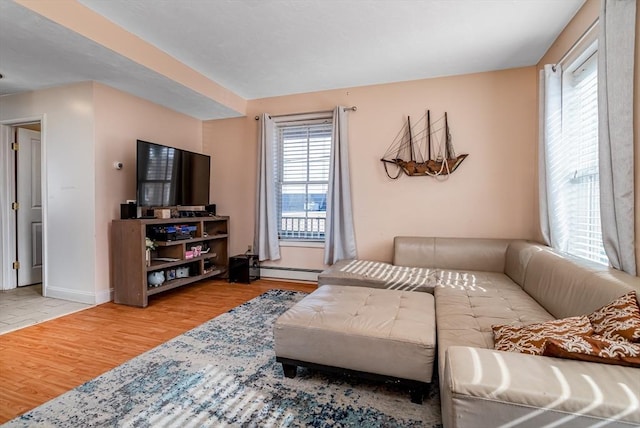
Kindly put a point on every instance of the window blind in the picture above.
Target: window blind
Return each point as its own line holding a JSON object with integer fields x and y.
{"x": 580, "y": 152}
{"x": 302, "y": 174}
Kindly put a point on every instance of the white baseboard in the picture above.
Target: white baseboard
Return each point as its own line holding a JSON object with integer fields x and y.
{"x": 104, "y": 296}
{"x": 292, "y": 274}
{"x": 72, "y": 295}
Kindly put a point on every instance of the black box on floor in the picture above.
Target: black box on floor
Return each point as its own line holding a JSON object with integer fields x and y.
{"x": 244, "y": 268}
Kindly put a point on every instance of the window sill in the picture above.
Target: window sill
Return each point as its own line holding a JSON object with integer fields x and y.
{"x": 308, "y": 244}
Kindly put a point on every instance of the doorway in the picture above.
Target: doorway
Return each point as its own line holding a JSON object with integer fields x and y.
{"x": 24, "y": 206}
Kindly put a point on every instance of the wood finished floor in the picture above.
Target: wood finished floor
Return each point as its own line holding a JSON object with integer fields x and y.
{"x": 40, "y": 362}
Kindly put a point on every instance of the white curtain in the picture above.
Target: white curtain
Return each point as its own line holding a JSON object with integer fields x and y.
{"x": 615, "y": 103}
{"x": 340, "y": 240}
{"x": 266, "y": 226}
{"x": 552, "y": 205}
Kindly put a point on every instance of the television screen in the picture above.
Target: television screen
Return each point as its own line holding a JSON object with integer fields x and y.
{"x": 167, "y": 176}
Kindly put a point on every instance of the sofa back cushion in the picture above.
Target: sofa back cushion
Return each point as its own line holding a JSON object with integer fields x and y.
{"x": 418, "y": 251}
{"x": 519, "y": 253}
{"x": 477, "y": 254}
{"x": 567, "y": 286}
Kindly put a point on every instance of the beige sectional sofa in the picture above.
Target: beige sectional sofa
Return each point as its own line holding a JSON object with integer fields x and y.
{"x": 484, "y": 282}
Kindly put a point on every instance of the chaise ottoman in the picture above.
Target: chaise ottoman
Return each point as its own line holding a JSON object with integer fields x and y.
{"x": 386, "y": 335}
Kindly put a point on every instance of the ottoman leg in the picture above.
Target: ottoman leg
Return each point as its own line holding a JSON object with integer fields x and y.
{"x": 416, "y": 395}
{"x": 289, "y": 370}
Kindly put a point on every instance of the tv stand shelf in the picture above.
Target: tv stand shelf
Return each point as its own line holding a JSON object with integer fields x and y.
{"x": 129, "y": 258}
{"x": 189, "y": 241}
{"x": 175, "y": 283}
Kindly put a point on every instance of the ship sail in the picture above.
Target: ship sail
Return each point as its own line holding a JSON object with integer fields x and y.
{"x": 421, "y": 160}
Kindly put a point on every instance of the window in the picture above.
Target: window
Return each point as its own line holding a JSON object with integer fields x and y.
{"x": 580, "y": 188}
{"x": 302, "y": 177}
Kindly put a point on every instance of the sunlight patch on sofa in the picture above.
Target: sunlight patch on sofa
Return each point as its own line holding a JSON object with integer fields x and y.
{"x": 477, "y": 366}
{"x": 564, "y": 396}
{"x": 597, "y": 401}
{"x": 634, "y": 406}
{"x": 460, "y": 281}
{"x": 504, "y": 375}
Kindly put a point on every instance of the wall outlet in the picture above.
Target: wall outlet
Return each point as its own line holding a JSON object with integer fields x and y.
{"x": 249, "y": 248}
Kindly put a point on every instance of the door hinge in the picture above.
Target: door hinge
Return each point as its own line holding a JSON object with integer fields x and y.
{"x": 16, "y": 265}
{"x": 15, "y": 147}
{"x": 15, "y": 206}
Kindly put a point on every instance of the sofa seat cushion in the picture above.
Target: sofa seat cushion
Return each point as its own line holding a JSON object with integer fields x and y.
{"x": 368, "y": 273}
{"x": 485, "y": 388}
{"x": 478, "y": 300}
{"x": 468, "y": 303}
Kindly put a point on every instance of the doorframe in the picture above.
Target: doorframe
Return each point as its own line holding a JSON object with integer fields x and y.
{"x": 7, "y": 216}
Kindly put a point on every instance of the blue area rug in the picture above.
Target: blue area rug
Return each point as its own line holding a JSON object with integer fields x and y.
{"x": 224, "y": 373}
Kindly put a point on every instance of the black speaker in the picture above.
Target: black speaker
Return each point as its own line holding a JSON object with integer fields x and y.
{"x": 128, "y": 211}
{"x": 211, "y": 209}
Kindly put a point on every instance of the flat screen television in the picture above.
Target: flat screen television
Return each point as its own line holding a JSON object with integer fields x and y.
{"x": 167, "y": 176}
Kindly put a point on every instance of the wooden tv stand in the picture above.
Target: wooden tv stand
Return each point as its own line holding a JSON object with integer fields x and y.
{"x": 128, "y": 255}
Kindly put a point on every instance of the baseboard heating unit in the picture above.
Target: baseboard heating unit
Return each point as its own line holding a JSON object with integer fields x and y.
{"x": 277, "y": 272}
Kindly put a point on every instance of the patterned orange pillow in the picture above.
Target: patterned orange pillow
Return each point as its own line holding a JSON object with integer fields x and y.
{"x": 619, "y": 320}
{"x": 595, "y": 349}
{"x": 530, "y": 339}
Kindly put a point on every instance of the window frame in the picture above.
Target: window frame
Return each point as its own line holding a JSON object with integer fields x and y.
{"x": 300, "y": 238}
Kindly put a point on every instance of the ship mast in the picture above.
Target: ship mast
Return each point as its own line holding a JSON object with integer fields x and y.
{"x": 410, "y": 138}
{"x": 429, "y": 134}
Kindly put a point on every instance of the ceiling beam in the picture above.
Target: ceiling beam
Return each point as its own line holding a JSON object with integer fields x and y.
{"x": 86, "y": 22}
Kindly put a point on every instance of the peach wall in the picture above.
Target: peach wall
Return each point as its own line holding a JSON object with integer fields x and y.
{"x": 570, "y": 35}
{"x": 492, "y": 117}
{"x": 121, "y": 119}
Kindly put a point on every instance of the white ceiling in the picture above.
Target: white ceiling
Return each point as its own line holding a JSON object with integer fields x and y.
{"x": 264, "y": 48}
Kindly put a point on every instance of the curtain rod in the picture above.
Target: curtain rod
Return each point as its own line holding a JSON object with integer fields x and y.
{"x": 352, "y": 108}
{"x": 577, "y": 43}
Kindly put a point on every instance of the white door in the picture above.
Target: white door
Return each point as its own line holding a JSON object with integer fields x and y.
{"x": 29, "y": 214}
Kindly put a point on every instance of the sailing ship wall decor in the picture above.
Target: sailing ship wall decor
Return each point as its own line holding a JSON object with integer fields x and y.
{"x": 423, "y": 150}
